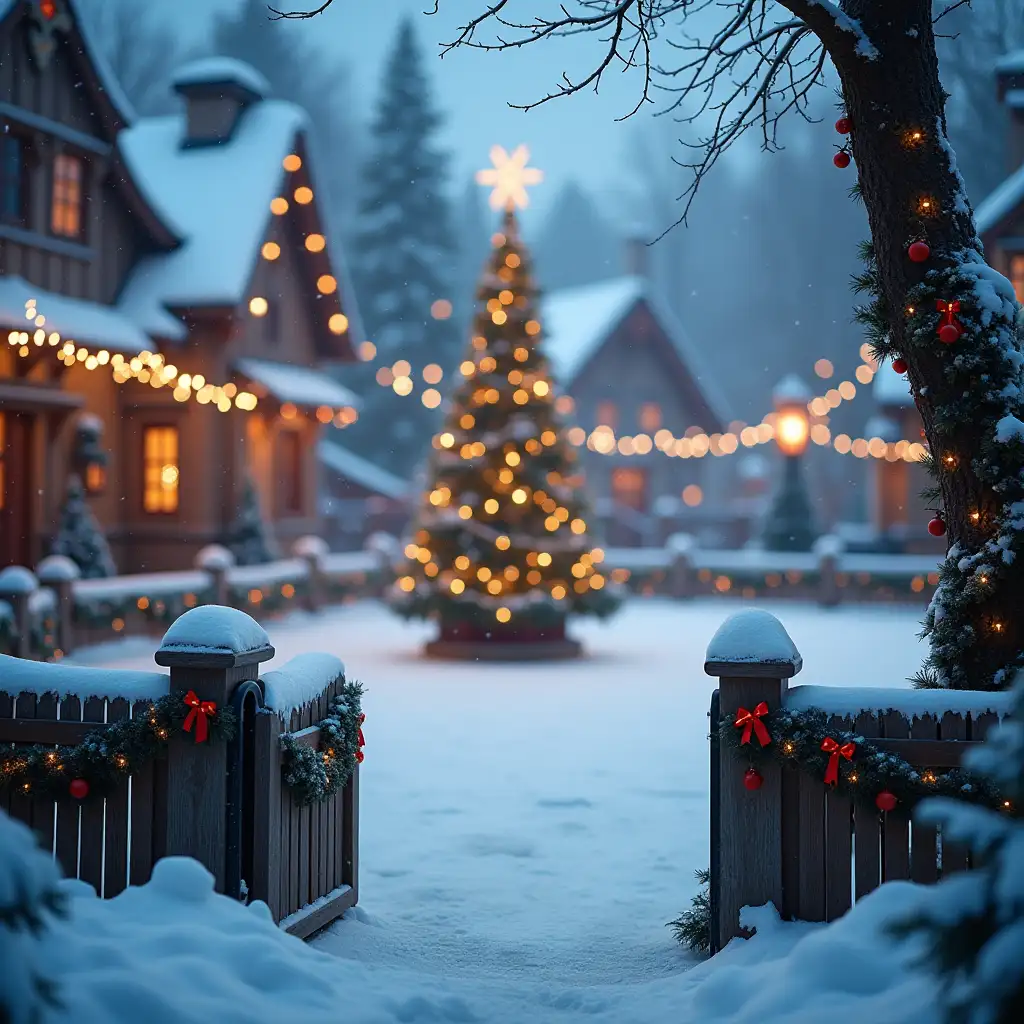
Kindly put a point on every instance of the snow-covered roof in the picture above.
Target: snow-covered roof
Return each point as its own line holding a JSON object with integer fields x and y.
{"x": 221, "y": 71}
{"x": 1010, "y": 63}
{"x": 362, "y": 471}
{"x": 218, "y": 199}
{"x": 79, "y": 319}
{"x": 299, "y": 385}
{"x": 1001, "y": 202}
{"x": 1014, "y": 99}
{"x": 891, "y": 388}
{"x": 578, "y": 320}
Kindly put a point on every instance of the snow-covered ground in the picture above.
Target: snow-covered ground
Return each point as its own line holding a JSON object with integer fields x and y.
{"x": 530, "y": 828}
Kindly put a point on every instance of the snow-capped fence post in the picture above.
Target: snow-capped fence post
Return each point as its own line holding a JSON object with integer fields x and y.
{"x": 828, "y": 550}
{"x": 217, "y": 561}
{"x": 312, "y": 550}
{"x": 17, "y": 585}
{"x": 59, "y": 573}
{"x": 210, "y": 651}
{"x": 680, "y": 547}
{"x": 753, "y": 658}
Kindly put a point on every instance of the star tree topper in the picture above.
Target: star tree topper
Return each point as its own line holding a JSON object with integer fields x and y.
{"x": 509, "y": 177}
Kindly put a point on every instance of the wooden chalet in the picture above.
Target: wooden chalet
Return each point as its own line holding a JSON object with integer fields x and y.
{"x": 165, "y": 282}
{"x": 624, "y": 361}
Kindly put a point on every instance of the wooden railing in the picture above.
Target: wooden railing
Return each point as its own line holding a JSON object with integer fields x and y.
{"x": 223, "y": 803}
{"x": 811, "y": 851}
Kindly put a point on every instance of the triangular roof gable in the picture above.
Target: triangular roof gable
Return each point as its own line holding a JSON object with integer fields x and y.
{"x": 1002, "y": 206}
{"x": 110, "y": 106}
{"x": 580, "y": 322}
{"x": 220, "y": 197}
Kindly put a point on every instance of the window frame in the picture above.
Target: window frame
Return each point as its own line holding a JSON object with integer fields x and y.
{"x": 144, "y": 492}
{"x": 291, "y": 472}
{"x": 71, "y": 201}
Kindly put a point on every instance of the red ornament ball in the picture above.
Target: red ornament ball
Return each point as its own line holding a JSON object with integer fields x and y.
{"x": 841, "y": 159}
{"x": 899, "y": 365}
{"x": 843, "y": 126}
{"x": 919, "y": 252}
{"x": 949, "y": 333}
{"x": 752, "y": 779}
{"x": 885, "y": 801}
{"x": 937, "y": 526}
{"x": 79, "y": 789}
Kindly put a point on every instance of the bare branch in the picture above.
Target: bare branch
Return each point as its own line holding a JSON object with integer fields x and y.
{"x": 297, "y": 15}
{"x": 950, "y": 9}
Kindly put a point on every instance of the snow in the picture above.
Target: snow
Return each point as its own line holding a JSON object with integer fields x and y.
{"x": 299, "y": 385}
{"x": 1009, "y": 428}
{"x": 753, "y": 636}
{"x": 361, "y": 471}
{"x": 300, "y": 681}
{"x": 143, "y": 584}
{"x": 88, "y": 323}
{"x": 221, "y": 71}
{"x": 344, "y": 562}
{"x": 39, "y": 677}
{"x": 16, "y": 579}
{"x": 1010, "y": 63}
{"x": 850, "y": 701}
{"x": 267, "y": 574}
{"x": 525, "y": 834}
{"x": 884, "y": 427}
{"x": 310, "y": 547}
{"x": 217, "y": 198}
{"x": 1000, "y": 203}
{"x": 791, "y": 389}
{"x": 891, "y": 388}
{"x": 577, "y": 321}
{"x": 214, "y": 558}
{"x": 1014, "y": 99}
{"x": 214, "y": 629}
{"x": 57, "y": 569}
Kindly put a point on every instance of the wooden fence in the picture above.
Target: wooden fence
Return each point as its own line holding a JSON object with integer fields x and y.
{"x": 223, "y": 803}
{"x": 811, "y": 851}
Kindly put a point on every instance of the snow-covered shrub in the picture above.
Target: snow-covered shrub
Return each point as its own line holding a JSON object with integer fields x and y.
{"x": 80, "y": 537}
{"x": 692, "y": 928}
{"x": 974, "y": 922}
{"x": 249, "y": 538}
{"x": 29, "y": 901}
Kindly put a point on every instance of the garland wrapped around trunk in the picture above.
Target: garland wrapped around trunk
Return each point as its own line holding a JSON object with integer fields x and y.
{"x": 850, "y": 763}
{"x": 315, "y": 775}
{"x": 109, "y": 754}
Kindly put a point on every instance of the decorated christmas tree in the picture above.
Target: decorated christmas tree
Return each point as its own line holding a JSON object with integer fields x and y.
{"x": 80, "y": 537}
{"x": 249, "y": 539}
{"x": 500, "y": 553}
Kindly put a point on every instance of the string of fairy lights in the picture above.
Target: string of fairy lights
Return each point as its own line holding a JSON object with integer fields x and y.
{"x": 154, "y": 369}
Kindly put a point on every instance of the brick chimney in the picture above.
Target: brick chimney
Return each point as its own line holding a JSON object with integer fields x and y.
{"x": 216, "y": 91}
{"x": 1010, "y": 82}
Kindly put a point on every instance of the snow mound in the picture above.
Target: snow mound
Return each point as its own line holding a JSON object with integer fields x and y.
{"x": 182, "y": 878}
{"x": 214, "y": 629}
{"x": 20, "y": 676}
{"x": 214, "y": 558}
{"x": 300, "y": 681}
{"x": 753, "y": 636}
{"x": 57, "y": 569}
{"x": 16, "y": 579}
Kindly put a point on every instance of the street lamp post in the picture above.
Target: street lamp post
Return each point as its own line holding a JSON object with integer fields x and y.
{"x": 790, "y": 523}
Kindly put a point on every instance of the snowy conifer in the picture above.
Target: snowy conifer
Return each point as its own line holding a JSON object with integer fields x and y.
{"x": 404, "y": 261}
{"x": 250, "y": 539}
{"x": 29, "y": 902}
{"x": 974, "y": 922}
{"x": 79, "y": 536}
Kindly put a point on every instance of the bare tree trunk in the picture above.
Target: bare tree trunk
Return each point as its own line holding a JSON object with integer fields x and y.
{"x": 913, "y": 192}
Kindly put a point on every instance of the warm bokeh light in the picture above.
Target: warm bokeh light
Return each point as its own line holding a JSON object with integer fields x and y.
{"x": 315, "y": 243}
{"x": 791, "y": 432}
{"x": 326, "y": 284}
{"x": 338, "y": 324}
{"x": 432, "y": 373}
{"x": 824, "y": 369}
{"x": 303, "y": 195}
{"x": 692, "y": 495}
{"x": 270, "y": 250}
{"x": 431, "y": 398}
{"x": 258, "y": 306}
{"x": 292, "y": 162}
{"x": 367, "y": 350}
{"x": 441, "y": 309}
{"x": 279, "y": 205}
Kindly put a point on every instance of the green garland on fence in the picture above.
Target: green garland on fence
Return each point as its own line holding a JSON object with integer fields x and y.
{"x": 316, "y": 775}
{"x": 106, "y": 756}
{"x": 796, "y": 741}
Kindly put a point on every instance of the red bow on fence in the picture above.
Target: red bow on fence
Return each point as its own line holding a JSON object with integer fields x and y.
{"x": 831, "y": 747}
{"x": 201, "y": 710}
{"x": 362, "y": 742}
{"x": 751, "y": 720}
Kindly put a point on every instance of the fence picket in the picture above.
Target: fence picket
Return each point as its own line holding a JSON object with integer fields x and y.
{"x": 838, "y": 836}
{"x": 295, "y": 900}
{"x": 954, "y": 855}
{"x": 895, "y": 824}
{"x": 43, "y": 822}
{"x": 981, "y": 724}
{"x": 68, "y": 811}
{"x": 90, "y": 858}
{"x": 866, "y": 841}
{"x": 791, "y": 843}
{"x": 332, "y": 857}
{"x": 6, "y": 711}
{"x": 22, "y": 803}
{"x": 323, "y": 851}
{"x": 115, "y": 871}
{"x": 305, "y": 720}
{"x": 924, "y": 865}
{"x": 812, "y": 848}
{"x": 141, "y": 856}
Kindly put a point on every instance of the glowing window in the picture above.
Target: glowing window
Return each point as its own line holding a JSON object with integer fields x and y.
{"x": 66, "y": 204}
{"x": 160, "y": 469}
{"x": 607, "y": 415}
{"x": 629, "y": 487}
{"x": 290, "y": 475}
{"x": 650, "y": 417}
{"x": 1017, "y": 276}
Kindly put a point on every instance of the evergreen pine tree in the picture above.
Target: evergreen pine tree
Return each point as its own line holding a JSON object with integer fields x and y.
{"x": 29, "y": 903}
{"x": 577, "y": 246}
{"x": 500, "y": 547}
{"x": 404, "y": 261}
{"x": 973, "y": 923}
{"x": 249, "y": 538}
{"x": 79, "y": 536}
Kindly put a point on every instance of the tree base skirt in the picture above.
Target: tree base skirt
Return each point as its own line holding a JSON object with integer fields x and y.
{"x": 497, "y": 650}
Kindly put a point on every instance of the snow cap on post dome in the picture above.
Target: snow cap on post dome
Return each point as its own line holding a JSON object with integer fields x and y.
{"x": 214, "y": 635}
{"x": 214, "y": 558}
{"x": 57, "y": 569}
{"x": 791, "y": 390}
{"x": 16, "y": 579}
{"x": 752, "y": 643}
{"x": 310, "y": 547}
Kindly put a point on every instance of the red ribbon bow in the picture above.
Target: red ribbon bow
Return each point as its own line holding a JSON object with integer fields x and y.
{"x": 948, "y": 309}
{"x": 362, "y": 742}
{"x": 201, "y": 710}
{"x": 751, "y": 721}
{"x": 831, "y": 747}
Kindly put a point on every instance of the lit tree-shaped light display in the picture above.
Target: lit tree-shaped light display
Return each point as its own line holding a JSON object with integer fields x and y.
{"x": 500, "y": 553}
